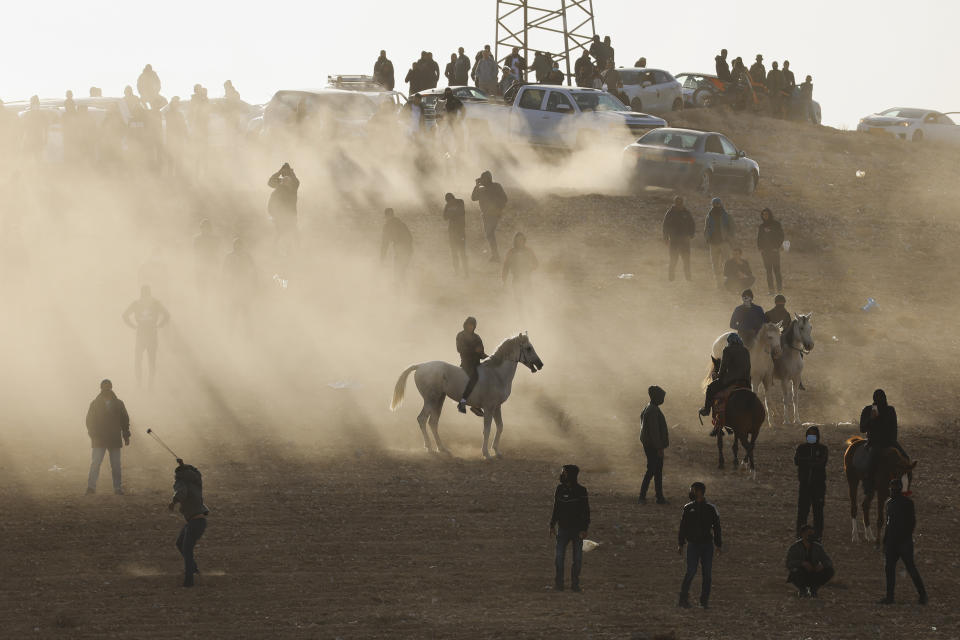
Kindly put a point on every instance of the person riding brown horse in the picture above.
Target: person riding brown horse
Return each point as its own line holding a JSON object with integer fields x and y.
{"x": 742, "y": 413}
{"x": 888, "y": 463}
{"x": 734, "y": 370}
{"x": 879, "y": 422}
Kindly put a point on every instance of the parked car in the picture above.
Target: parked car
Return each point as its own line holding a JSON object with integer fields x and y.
{"x": 703, "y": 160}
{"x": 433, "y": 106}
{"x": 558, "y": 116}
{"x": 912, "y": 124}
{"x": 346, "y": 111}
{"x": 651, "y": 90}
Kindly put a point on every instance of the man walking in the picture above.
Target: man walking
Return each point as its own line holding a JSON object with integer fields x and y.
{"x": 188, "y": 493}
{"x": 571, "y": 511}
{"x": 678, "y": 230}
{"x": 108, "y": 426}
{"x": 769, "y": 241}
{"x": 898, "y": 541}
{"x": 808, "y": 564}
{"x": 700, "y": 530}
{"x": 718, "y": 232}
{"x": 811, "y": 461}
{"x": 396, "y": 233}
{"x": 150, "y": 316}
{"x": 492, "y": 199}
{"x": 470, "y": 348}
{"x": 456, "y": 216}
{"x": 654, "y": 438}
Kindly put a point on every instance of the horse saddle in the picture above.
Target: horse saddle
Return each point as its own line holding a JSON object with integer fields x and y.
{"x": 720, "y": 406}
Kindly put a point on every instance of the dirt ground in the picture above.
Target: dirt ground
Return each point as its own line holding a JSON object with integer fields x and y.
{"x": 329, "y": 521}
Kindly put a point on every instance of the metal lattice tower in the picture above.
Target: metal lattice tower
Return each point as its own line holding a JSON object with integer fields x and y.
{"x": 554, "y": 30}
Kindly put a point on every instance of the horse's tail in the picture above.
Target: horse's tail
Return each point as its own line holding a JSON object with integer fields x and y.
{"x": 711, "y": 370}
{"x": 400, "y": 387}
{"x": 852, "y": 440}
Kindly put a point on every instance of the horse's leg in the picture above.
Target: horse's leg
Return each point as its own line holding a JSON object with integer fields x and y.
{"x": 736, "y": 450}
{"x": 785, "y": 390}
{"x": 487, "y": 419}
{"x": 796, "y": 399}
{"x": 435, "y": 424}
{"x": 498, "y": 420}
{"x": 749, "y": 447}
{"x": 853, "y": 481}
{"x": 720, "y": 448}
{"x": 867, "y": 526}
{"x": 422, "y": 421}
{"x": 768, "y": 379}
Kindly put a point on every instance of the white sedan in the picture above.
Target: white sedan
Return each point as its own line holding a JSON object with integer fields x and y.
{"x": 912, "y": 124}
{"x": 651, "y": 90}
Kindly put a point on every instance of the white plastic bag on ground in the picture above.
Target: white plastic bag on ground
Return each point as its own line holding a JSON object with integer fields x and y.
{"x": 590, "y": 545}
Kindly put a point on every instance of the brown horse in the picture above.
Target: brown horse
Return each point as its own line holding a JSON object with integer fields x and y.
{"x": 744, "y": 414}
{"x": 890, "y": 464}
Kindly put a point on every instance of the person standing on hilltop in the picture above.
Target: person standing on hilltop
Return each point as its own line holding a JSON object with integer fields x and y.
{"x": 383, "y": 71}
{"x": 723, "y": 69}
{"x": 758, "y": 73}
{"x": 678, "y": 230}
{"x": 775, "y": 90}
{"x": 718, "y": 231}
{"x": 806, "y": 100}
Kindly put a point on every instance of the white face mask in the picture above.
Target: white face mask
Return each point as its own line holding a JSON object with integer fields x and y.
{"x": 812, "y": 439}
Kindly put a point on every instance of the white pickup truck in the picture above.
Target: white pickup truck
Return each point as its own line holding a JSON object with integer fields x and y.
{"x": 557, "y": 116}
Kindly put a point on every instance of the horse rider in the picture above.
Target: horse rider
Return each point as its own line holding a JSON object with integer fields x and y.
{"x": 879, "y": 422}
{"x": 747, "y": 318}
{"x": 470, "y": 348}
{"x": 734, "y": 370}
{"x": 779, "y": 313}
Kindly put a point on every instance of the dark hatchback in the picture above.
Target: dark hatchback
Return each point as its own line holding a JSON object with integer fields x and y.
{"x": 684, "y": 158}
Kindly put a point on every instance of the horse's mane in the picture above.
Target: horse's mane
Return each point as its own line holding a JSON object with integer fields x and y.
{"x": 505, "y": 347}
{"x": 787, "y": 336}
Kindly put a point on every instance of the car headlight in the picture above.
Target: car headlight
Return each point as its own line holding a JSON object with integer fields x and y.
{"x": 904, "y": 124}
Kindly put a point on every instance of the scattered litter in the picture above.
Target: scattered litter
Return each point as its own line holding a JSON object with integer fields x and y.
{"x": 55, "y": 469}
{"x": 625, "y": 276}
{"x": 861, "y": 173}
{"x": 835, "y": 338}
{"x": 590, "y": 545}
{"x": 281, "y": 282}
{"x": 786, "y": 246}
{"x": 344, "y": 384}
{"x": 871, "y": 303}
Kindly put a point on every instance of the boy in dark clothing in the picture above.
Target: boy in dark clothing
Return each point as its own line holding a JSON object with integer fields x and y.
{"x": 455, "y": 215}
{"x": 808, "y": 563}
{"x": 678, "y": 230}
{"x": 898, "y": 541}
{"x": 769, "y": 241}
{"x": 700, "y": 527}
{"x": 571, "y": 511}
{"x": 655, "y": 438}
{"x": 188, "y": 493}
{"x": 811, "y": 461}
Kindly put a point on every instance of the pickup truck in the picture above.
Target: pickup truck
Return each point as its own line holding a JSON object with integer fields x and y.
{"x": 557, "y": 116}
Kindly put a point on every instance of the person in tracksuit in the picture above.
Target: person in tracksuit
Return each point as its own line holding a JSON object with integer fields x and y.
{"x": 571, "y": 513}
{"x": 188, "y": 493}
{"x": 811, "y": 461}
{"x": 898, "y": 541}
{"x": 700, "y": 531}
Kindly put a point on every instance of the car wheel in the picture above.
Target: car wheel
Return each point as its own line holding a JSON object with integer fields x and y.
{"x": 705, "y": 185}
{"x": 636, "y": 105}
{"x": 918, "y": 136}
{"x": 751, "y": 184}
{"x": 677, "y": 104}
{"x": 704, "y": 98}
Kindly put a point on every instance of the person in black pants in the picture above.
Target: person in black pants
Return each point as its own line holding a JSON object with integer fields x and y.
{"x": 654, "y": 438}
{"x": 455, "y": 215}
{"x": 811, "y": 461}
{"x": 571, "y": 511}
{"x": 898, "y": 541}
{"x": 678, "y": 230}
{"x": 808, "y": 563}
{"x": 188, "y": 493}
{"x": 769, "y": 241}
{"x": 699, "y": 519}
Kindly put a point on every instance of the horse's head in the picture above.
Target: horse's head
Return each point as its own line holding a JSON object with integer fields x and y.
{"x": 803, "y": 330}
{"x": 769, "y": 339}
{"x": 528, "y": 355}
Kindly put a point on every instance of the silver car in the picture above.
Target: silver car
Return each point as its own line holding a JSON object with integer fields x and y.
{"x": 684, "y": 158}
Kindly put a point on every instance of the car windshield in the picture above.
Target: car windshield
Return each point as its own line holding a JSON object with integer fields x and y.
{"x": 910, "y": 114}
{"x": 598, "y": 102}
{"x": 469, "y": 93}
{"x": 670, "y": 139}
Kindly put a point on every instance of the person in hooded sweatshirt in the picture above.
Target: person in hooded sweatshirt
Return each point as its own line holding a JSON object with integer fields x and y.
{"x": 188, "y": 493}
{"x": 492, "y": 199}
{"x": 655, "y": 438}
{"x": 898, "y": 542}
{"x": 811, "y": 461}
{"x": 879, "y": 422}
{"x": 769, "y": 241}
{"x": 569, "y": 523}
{"x": 718, "y": 232}
{"x": 108, "y": 426}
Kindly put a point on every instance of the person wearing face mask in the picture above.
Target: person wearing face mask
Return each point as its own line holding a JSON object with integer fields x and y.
{"x": 555, "y": 76}
{"x": 655, "y": 438}
{"x": 747, "y": 319}
{"x": 808, "y": 563}
{"x": 811, "y": 461}
{"x": 700, "y": 531}
{"x": 571, "y": 512}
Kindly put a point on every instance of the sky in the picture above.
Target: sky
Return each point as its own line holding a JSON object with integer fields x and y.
{"x": 864, "y": 56}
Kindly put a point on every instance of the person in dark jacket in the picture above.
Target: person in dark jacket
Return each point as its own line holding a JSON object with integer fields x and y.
{"x": 430, "y": 69}
{"x": 700, "y": 531}
{"x": 723, "y": 69}
{"x": 775, "y": 90}
{"x": 806, "y": 100}
{"x": 383, "y": 71}
{"x": 599, "y": 52}
{"x": 455, "y": 215}
{"x": 282, "y": 206}
{"x": 655, "y": 438}
{"x": 678, "y": 230}
{"x": 748, "y": 318}
{"x": 611, "y": 78}
{"x": 470, "y": 348}
{"x": 396, "y": 233}
{"x": 898, "y": 541}
{"x": 779, "y": 313}
{"x": 737, "y": 274}
{"x": 758, "y": 73}
{"x": 541, "y": 67}
{"x": 450, "y": 71}
{"x": 492, "y": 199}
{"x": 808, "y": 564}
{"x": 461, "y": 69}
{"x": 583, "y": 70}
{"x": 734, "y": 370}
{"x": 769, "y": 241}
{"x": 718, "y": 231}
{"x": 569, "y": 523}
{"x": 188, "y": 493}
{"x": 789, "y": 80}
{"x": 811, "y": 461}
{"x": 108, "y": 426}
{"x": 879, "y": 422}
{"x": 555, "y": 75}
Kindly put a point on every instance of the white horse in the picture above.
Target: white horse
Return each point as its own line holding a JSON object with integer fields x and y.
{"x": 436, "y": 381}
{"x": 766, "y": 348}
{"x": 797, "y": 341}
